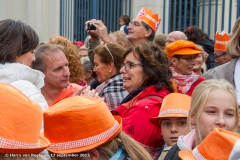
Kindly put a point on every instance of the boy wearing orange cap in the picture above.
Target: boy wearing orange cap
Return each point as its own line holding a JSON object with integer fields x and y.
{"x": 220, "y": 54}
{"x": 172, "y": 120}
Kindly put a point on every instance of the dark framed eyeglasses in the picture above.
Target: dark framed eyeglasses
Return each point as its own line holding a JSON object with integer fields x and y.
{"x": 215, "y": 56}
{"x": 129, "y": 65}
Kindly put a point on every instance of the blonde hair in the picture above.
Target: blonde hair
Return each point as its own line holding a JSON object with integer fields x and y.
{"x": 133, "y": 148}
{"x": 200, "y": 96}
{"x": 233, "y": 48}
{"x": 17, "y": 157}
{"x": 121, "y": 38}
{"x": 83, "y": 48}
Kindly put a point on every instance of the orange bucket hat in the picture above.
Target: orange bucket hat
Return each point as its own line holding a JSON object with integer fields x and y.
{"x": 173, "y": 105}
{"x": 20, "y": 123}
{"x": 78, "y": 124}
{"x": 182, "y": 47}
{"x": 217, "y": 145}
{"x": 149, "y": 18}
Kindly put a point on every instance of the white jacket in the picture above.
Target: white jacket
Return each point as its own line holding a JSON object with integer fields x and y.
{"x": 25, "y": 79}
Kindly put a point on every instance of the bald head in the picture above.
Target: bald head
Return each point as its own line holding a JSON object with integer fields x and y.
{"x": 174, "y": 36}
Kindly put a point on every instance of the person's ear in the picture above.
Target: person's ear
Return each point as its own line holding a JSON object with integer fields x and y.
{"x": 148, "y": 33}
{"x": 94, "y": 154}
{"x": 111, "y": 65}
{"x": 174, "y": 61}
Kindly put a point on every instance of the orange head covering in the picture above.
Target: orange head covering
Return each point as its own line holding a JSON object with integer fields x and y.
{"x": 221, "y": 41}
{"x": 182, "y": 47}
{"x": 173, "y": 105}
{"x": 217, "y": 145}
{"x": 149, "y": 18}
{"x": 78, "y": 124}
{"x": 20, "y": 123}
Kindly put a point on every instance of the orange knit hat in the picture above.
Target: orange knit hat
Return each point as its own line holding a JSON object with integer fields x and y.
{"x": 182, "y": 47}
{"x": 78, "y": 124}
{"x": 221, "y": 41}
{"x": 217, "y": 145}
{"x": 173, "y": 105}
{"x": 20, "y": 123}
{"x": 149, "y": 18}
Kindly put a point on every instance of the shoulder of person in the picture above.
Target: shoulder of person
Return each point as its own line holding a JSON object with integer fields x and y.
{"x": 173, "y": 153}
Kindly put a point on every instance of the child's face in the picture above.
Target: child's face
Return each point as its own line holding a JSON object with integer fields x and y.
{"x": 172, "y": 128}
{"x": 121, "y": 22}
{"x": 219, "y": 112}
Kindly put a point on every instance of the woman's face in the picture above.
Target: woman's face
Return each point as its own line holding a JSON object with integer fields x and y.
{"x": 198, "y": 63}
{"x": 132, "y": 78}
{"x": 26, "y": 58}
{"x": 219, "y": 112}
{"x": 183, "y": 65}
{"x": 103, "y": 71}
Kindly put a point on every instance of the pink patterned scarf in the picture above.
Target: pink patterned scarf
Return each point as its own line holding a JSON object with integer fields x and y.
{"x": 184, "y": 82}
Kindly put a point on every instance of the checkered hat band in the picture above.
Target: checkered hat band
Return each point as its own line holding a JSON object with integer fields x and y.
{"x": 172, "y": 111}
{"x": 86, "y": 141}
{"x": 6, "y": 143}
{"x": 198, "y": 155}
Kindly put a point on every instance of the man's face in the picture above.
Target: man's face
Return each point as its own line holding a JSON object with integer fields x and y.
{"x": 57, "y": 72}
{"x": 137, "y": 32}
{"x": 221, "y": 57}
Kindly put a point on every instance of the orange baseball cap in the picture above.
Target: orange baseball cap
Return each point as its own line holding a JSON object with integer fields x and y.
{"x": 217, "y": 145}
{"x": 78, "y": 124}
{"x": 21, "y": 120}
{"x": 149, "y": 18}
{"x": 173, "y": 105}
{"x": 182, "y": 47}
{"x": 221, "y": 40}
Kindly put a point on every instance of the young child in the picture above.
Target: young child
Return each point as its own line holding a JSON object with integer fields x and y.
{"x": 124, "y": 21}
{"x": 213, "y": 105}
{"x": 172, "y": 120}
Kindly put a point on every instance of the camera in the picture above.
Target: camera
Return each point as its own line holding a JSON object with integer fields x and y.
{"x": 90, "y": 26}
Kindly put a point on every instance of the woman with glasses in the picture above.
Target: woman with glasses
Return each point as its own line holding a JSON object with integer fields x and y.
{"x": 146, "y": 77}
{"x": 182, "y": 55}
{"x": 107, "y": 63}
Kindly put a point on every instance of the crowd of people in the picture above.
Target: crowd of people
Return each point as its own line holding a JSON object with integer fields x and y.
{"x": 131, "y": 94}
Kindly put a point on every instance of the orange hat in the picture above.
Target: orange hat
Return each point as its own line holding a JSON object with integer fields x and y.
{"x": 77, "y": 124}
{"x": 221, "y": 41}
{"x": 217, "y": 145}
{"x": 173, "y": 105}
{"x": 20, "y": 123}
{"x": 149, "y": 18}
{"x": 182, "y": 47}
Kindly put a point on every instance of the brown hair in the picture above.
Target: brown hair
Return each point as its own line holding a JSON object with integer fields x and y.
{"x": 155, "y": 65}
{"x": 105, "y": 57}
{"x": 125, "y": 19}
{"x": 121, "y": 38}
{"x": 75, "y": 67}
{"x": 16, "y": 39}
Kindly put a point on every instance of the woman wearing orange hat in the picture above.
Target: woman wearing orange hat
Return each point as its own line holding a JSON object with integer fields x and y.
{"x": 84, "y": 128}
{"x": 21, "y": 120}
{"x": 182, "y": 55}
{"x": 213, "y": 105}
{"x": 146, "y": 77}
{"x": 172, "y": 120}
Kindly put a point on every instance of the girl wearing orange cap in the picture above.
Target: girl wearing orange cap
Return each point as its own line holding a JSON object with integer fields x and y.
{"x": 84, "y": 128}
{"x": 213, "y": 105}
{"x": 172, "y": 120}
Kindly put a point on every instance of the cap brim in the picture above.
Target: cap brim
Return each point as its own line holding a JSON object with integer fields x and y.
{"x": 186, "y": 155}
{"x": 44, "y": 143}
{"x": 187, "y": 52}
{"x": 155, "y": 120}
{"x": 89, "y": 147}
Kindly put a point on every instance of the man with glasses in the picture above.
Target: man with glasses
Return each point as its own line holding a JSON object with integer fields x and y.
{"x": 143, "y": 27}
{"x": 182, "y": 55}
{"x": 220, "y": 54}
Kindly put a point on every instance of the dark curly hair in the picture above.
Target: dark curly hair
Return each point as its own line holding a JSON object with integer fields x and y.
{"x": 16, "y": 39}
{"x": 196, "y": 34}
{"x": 155, "y": 65}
